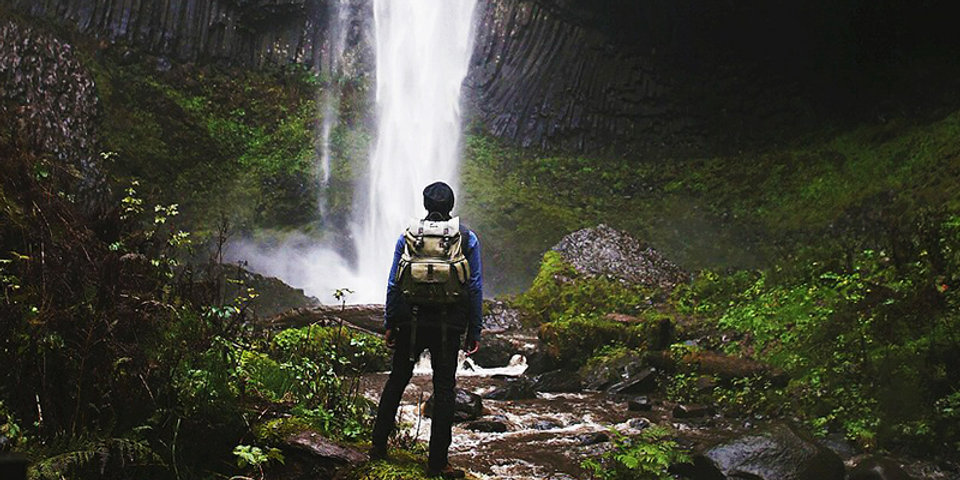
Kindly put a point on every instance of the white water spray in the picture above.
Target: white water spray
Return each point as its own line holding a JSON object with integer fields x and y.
{"x": 423, "y": 50}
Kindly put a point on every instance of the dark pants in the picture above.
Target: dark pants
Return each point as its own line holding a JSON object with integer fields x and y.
{"x": 443, "y": 360}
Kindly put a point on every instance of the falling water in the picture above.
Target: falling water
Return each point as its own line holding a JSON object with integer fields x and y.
{"x": 423, "y": 49}
{"x": 338, "y": 16}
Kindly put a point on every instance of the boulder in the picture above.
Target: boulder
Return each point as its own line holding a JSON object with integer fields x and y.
{"x": 513, "y": 388}
{"x": 776, "y": 453}
{"x": 546, "y": 424}
{"x": 319, "y": 446}
{"x": 605, "y": 251}
{"x": 557, "y": 381}
{"x": 501, "y": 318}
{"x": 642, "y": 381}
{"x": 494, "y": 352}
{"x": 469, "y": 406}
{"x": 488, "y": 426}
{"x": 592, "y": 438}
{"x": 601, "y": 375}
{"x": 539, "y": 362}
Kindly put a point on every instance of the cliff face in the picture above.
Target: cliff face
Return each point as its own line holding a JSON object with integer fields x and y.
{"x": 541, "y": 80}
{"x": 248, "y": 32}
{"x": 51, "y": 103}
{"x": 659, "y": 78}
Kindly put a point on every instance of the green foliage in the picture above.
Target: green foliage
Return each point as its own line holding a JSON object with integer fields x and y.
{"x": 403, "y": 465}
{"x": 95, "y": 458}
{"x": 867, "y": 344}
{"x": 252, "y": 456}
{"x": 646, "y": 457}
{"x": 11, "y": 433}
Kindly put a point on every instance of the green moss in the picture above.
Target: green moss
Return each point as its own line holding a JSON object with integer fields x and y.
{"x": 403, "y": 465}
{"x": 277, "y": 430}
{"x": 559, "y": 291}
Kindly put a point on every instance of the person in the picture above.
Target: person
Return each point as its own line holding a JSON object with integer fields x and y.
{"x": 411, "y": 329}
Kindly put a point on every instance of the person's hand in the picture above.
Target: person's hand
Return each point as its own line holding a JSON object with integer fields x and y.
{"x": 470, "y": 346}
{"x": 389, "y": 339}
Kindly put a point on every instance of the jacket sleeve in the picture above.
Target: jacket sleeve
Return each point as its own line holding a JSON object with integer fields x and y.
{"x": 393, "y": 306}
{"x": 475, "y": 288}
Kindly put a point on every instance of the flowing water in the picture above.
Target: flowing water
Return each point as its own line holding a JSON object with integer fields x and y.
{"x": 547, "y": 436}
{"x": 338, "y": 16}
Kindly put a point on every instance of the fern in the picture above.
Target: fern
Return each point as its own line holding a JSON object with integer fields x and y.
{"x": 96, "y": 457}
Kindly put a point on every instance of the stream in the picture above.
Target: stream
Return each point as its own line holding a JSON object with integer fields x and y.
{"x": 547, "y": 437}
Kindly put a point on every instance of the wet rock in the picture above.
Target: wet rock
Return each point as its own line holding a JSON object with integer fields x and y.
{"x": 539, "y": 362}
{"x": 639, "y": 404}
{"x": 776, "y": 453}
{"x": 501, "y": 318}
{"x": 601, "y": 376}
{"x": 604, "y": 251}
{"x": 643, "y": 381}
{"x": 322, "y": 447}
{"x": 494, "y": 352}
{"x": 557, "y": 381}
{"x": 488, "y": 426}
{"x": 513, "y": 388}
{"x": 877, "y": 468}
{"x": 692, "y": 411}
{"x": 469, "y": 406}
{"x": 837, "y": 443}
{"x": 546, "y": 424}
{"x": 638, "y": 423}
{"x": 592, "y": 438}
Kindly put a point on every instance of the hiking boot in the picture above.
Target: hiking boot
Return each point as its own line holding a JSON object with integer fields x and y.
{"x": 447, "y": 472}
{"x": 378, "y": 453}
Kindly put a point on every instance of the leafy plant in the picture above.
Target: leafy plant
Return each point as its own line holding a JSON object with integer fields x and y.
{"x": 647, "y": 457}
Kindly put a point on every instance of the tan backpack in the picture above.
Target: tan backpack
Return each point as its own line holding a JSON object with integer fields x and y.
{"x": 433, "y": 269}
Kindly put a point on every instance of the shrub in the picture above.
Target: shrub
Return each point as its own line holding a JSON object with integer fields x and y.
{"x": 646, "y": 457}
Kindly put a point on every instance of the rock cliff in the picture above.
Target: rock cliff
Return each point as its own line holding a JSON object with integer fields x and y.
{"x": 248, "y": 32}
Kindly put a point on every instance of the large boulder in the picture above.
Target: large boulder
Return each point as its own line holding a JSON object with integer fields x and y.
{"x": 557, "y": 381}
{"x": 776, "y": 453}
{"x": 513, "y": 388}
{"x": 495, "y": 352}
{"x": 641, "y": 381}
{"x": 469, "y": 406}
{"x": 606, "y": 251}
{"x": 501, "y": 317}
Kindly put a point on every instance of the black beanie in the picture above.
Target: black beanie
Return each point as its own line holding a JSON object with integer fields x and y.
{"x": 438, "y": 197}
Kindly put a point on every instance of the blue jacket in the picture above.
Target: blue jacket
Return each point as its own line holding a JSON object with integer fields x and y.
{"x": 397, "y": 311}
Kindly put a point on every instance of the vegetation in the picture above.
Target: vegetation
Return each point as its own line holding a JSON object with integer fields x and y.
{"x": 122, "y": 360}
{"x": 645, "y": 457}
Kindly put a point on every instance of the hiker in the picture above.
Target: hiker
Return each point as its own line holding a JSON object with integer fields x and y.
{"x": 434, "y": 297}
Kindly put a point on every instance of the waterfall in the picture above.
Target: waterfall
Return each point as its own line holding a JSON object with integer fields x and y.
{"x": 338, "y": 15}
{"x": 423, "y": 50}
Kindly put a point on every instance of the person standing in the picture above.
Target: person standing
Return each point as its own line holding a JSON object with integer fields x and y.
{"x": 434, "y": 299}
